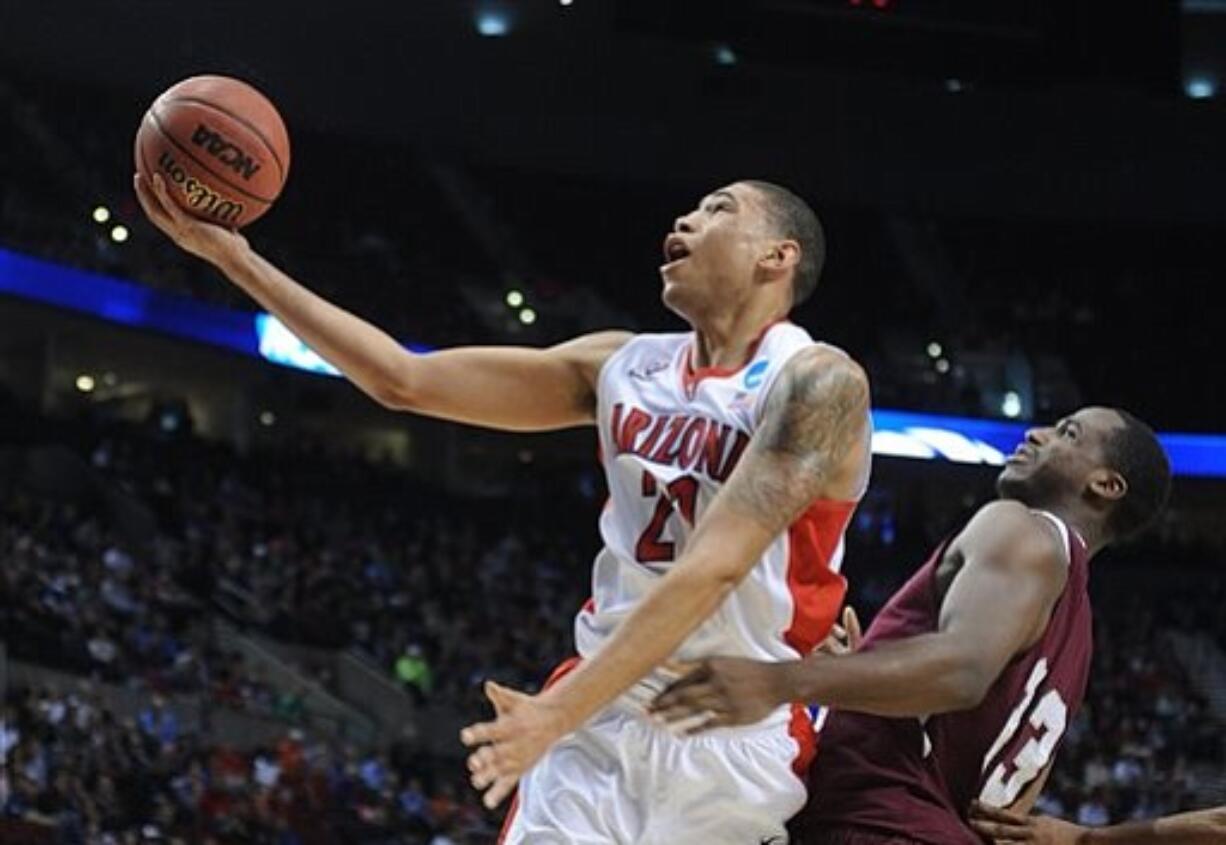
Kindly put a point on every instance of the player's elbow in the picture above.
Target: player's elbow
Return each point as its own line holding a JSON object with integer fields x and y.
{"x": 396, "y": 390}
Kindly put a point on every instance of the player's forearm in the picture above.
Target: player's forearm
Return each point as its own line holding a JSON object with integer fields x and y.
{"x": 720, "y": 555}
{"x": 917, "y": 676}
{"x": 368, "y": 357}
{"x": 1204, "y": 827}
{"x": 646, "y": 639}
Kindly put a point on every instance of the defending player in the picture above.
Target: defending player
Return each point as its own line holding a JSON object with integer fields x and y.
{"x": 735, "y": 455}
{"x": 969, "y": 675}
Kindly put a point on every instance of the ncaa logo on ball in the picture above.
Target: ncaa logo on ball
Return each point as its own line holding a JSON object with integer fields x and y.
{"x": 225, "y": 151}
{"x": 199, "y": 195}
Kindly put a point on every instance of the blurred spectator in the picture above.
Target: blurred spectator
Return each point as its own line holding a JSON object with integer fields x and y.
{"x": 413, "y": 672}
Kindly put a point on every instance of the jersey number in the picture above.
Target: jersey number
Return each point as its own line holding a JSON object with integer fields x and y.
{"x": 681, "y": 496}
{"x": 1048, "y": 718}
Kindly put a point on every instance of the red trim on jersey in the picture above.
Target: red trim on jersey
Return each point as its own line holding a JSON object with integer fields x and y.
{"x": 817, "y": 590}
{"x": 801, "y": 730}
{"x": 564, "y": 668}
{"x": 512, "y": 810}
{"x": 589, "y": 606}
{"x": 690, "y": 377}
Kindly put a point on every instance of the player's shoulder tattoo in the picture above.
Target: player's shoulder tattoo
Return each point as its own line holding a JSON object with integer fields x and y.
{"x": 813, "y": 417}
{"x": 819, "y": 404}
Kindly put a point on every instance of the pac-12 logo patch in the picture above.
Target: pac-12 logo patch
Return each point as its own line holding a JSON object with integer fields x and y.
{"x": 755, "y": 374}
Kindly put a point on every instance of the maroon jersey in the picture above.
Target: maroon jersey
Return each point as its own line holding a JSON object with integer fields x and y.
{"x": 915, "y": 778}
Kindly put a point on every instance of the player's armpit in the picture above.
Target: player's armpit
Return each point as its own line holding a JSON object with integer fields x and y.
{"x": 509, "y": 388}
{"x": 813, "y": 442}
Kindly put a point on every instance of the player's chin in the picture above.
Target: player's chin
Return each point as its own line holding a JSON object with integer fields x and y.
{"x": 674, "y": 294}
{"x": 1011, "y": 481}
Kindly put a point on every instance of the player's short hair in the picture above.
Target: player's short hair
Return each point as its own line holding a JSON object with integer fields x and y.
{"x": 1135, "y": 453}
{"x": 794, "y": 219}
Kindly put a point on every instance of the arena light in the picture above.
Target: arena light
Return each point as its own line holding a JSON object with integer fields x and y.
{"x": 527, "y": 316}
{"x": 942, "y": 366}
{"x": 514, "y": 298}
{"x": 268, "y": 418}
{"x": 1200, "y": 88}
{"x": 493, "y": 24}
{"x": 566, "y": 2}
{"x": 119, "y": 234}
{"x": 934, "y": 350}
{"x": 724, "y": 55}
{"x": 85, "y": 383}
{"x": 101, "y": 214}
{"x": 1011, "y": 404}
{"x": 954, "y": 85}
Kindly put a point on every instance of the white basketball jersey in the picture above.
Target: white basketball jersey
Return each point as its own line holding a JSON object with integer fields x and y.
{"x": 669, "y": 437}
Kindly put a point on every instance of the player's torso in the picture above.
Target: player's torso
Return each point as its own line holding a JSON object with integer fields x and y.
{"x": 917, "y": 777}
{"x": 669, "y": 439}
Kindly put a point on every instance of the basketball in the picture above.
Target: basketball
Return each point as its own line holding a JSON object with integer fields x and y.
{"x": 219, "y": 144}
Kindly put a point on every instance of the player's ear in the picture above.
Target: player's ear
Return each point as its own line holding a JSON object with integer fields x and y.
{"x": 780, "y": 256}
{"x": 1108, "y": 484}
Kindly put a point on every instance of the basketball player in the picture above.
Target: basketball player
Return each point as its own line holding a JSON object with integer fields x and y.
{"x": 735, "y": 455}
{"x": 969, "y": 675}
{"x": 1203, "y": 827}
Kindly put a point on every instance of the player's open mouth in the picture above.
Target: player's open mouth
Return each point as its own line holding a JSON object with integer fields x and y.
{"x": 1020, "y": 455}
{"x": 675, "y": 250}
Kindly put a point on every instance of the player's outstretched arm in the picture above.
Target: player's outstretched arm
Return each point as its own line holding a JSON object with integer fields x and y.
{"x": 1204, "y": 827}
{"x": 512, "y": 388}
{"x": 1000, "y": 600}
{"x": 813, "y": 442}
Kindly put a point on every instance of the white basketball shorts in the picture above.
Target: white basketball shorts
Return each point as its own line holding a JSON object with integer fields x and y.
{"x": 624, "y": 780}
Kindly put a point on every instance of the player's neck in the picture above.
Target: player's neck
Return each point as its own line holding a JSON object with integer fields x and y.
{"x": 727, "y": 341}
{"x": 1086, "y": 524}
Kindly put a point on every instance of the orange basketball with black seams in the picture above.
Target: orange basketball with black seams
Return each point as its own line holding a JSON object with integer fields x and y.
{"x": 219, "y": 144}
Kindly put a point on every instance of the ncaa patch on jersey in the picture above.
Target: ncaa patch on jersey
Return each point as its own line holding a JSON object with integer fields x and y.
{"x": 755, "y": 374}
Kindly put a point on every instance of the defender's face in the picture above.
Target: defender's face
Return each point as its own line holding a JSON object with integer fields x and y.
{"x": 711, "y": 254}
{"x": 1058, "y": 460}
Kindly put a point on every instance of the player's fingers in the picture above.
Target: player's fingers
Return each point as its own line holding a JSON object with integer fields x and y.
{"x": 150, "y": 203}
{"x": 690, "y": 709}
{"x": 851, "y": 624}
{"x": 980, "y": 810}
{"x": 707, "y": 721}
{"x": 687, "y": 701}
{"x": 481, "y": 733}
{"x": 499, "y": 791}
{"x": 503, "y": 698}
{"x": 168, "y": 205}
{"x": 483, "y": 764}
{"x": 677, "y": 688}
{"x": 1002, "y": 833}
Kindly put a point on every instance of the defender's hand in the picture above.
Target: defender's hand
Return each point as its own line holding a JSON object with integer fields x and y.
{"x": 845, "y": 638}
{"x": 1003, "y": 826}
{"x": 723, "y": 691}
{"x": 204, "y": 240}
